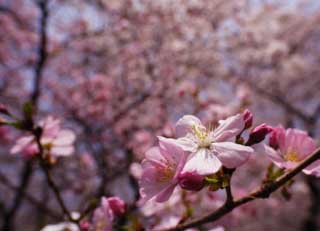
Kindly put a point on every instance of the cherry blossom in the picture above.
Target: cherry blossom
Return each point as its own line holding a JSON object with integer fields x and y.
{"x": 161, "y": 169}
{"x": 211, "y": 148}
{"x": 288, "y": 147}
{"x": 54, "y": 140}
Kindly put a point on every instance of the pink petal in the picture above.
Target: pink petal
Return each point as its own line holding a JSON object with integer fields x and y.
{"x": 185, "y": 125}
{"x": 232, "y": 155}
{"x": 203, "y": 163}
{"x": 228, "y": 128}
{"x": 186, "y": 143}
{"x": 21, "y": 144}
{"x": 165, "y": 194}
{"x": 154, "y": 155}
{"x": 273, "y": 155}
{"x": 313, "y": 169}
{"x": 172, "y": 152}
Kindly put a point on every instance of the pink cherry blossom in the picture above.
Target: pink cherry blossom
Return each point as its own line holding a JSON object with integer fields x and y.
{"x": 211, "y": 148}
{"x": 54, "y": 140}
{"x": 161, "y": 169}
{"x": 289, "y": 147}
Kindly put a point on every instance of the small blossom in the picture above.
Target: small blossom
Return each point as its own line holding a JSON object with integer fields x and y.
{"x": 54, "y": 140}
{"x": 104, "y": 216}
{"x": 289, "y": 148}
{"x": 161, "y": 168}
{"x": 210, "y": 149}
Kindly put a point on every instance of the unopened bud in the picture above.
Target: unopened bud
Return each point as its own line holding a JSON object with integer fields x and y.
{"x": 84, "y": 225}
{"x": 258, "y": 134}
{"x": 191, "y": 181}
{"x": 117, "y": 206}
{"x": 248, "y": 118}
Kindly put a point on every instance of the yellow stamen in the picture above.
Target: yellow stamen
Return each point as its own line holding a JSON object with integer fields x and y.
{"x": 291, "y": 156}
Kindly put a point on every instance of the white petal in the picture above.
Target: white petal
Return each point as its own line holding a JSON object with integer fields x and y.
{"x": 230, "y": 154}
{"x": 64, "y": 137}
{"x": 62, "y": 150}
{"x": 202, "y": 162}
{"x": 228, "y": 128}
{"x": 186, "y": 143}
{"x": 185, "y": 125}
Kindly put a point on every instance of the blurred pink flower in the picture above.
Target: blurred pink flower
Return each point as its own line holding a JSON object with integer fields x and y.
{"x": 54, "y": 140}
{"x": 61, "y": 227}
{"x": 289, "y": 147}
{"x": 161, "y": 168}
{"x": 109, "y": 209}
{"x": 210, "y": 149}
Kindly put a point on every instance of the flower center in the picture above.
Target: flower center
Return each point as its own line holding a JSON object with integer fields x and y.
{"x": 291, "y": 156}
{"x": 202, "y": 136}
{"x": 166, "y": 174}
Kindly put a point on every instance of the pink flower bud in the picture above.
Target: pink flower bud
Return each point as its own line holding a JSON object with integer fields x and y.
{"x": 117, "y": 206}
{"x": 191, "y": 181}
{"x": 248, "y": 118}
{"x": 85, "y": 225}
{"x": 258, "y": 134}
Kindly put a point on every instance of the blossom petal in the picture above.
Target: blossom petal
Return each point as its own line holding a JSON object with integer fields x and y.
{"x": 228, "y": 128}
{"x": 21, "y": 144}
{"x": 202, "y": 162}
{"x": 165, "y": 194}
{"x": 62, "y": 150}
{"x": 186, "y": 143}
{"x": 173, "y": 153}
{"x": 230, "y": 154}
{"x": 64, "y": 137}
{"x": 313, "y": 169}
{"x": 186, "y": 123}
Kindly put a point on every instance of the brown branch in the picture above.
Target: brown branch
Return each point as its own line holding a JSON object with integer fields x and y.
{"x": 49, "y": 178}
{"x": 42, "y": 51}
{"x": 263, "y": 192}
{"x": 39, "y": 204}
{"x": 25, "y": 178}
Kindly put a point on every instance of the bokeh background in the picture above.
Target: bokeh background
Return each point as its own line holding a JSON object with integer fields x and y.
{"x": 120, "y": 72}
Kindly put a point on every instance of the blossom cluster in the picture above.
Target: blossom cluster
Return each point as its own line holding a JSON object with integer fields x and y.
{"x": 200, "y": 155}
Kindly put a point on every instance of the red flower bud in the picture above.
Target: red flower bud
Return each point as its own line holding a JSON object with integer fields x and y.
{"x": 258, "y": 134}
{"x": 117, "y": 206}
{"x": 248, "y": 118}
{"x": 191, "y": 181}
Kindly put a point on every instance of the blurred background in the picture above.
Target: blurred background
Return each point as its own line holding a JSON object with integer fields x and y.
{"x": 120, "y": 72}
